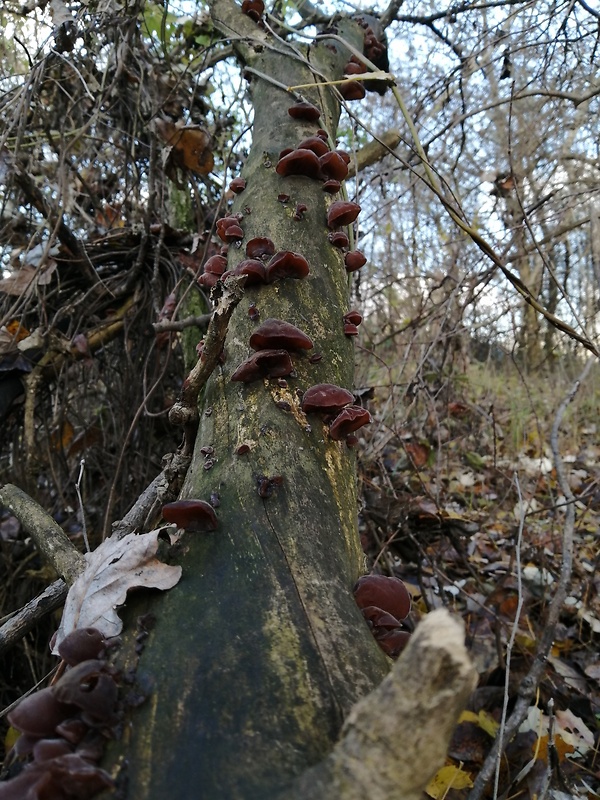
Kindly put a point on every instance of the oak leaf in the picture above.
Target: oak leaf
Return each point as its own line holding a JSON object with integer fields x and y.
{"x": 114, "y": 568}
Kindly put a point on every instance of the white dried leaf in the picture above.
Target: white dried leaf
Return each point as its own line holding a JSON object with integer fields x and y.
{"x": 114, "y": 568}
{"x": 60, "y": 13}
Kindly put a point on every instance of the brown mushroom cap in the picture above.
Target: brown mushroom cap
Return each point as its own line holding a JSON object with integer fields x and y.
{"x": 393, "y": 642}
{"x": 260, "y": 246}
{"x": 354, "y": 260}
{"x": 287, "y": 264}
{"x": 333, "y": 166}
{"x": 237, "y": 185}
{"x": 326, "y": 398}
{"x": 223, "y": 224}
{"x": 342, "y": 212}
{"x": 193, "y": 515}
{"x": 207, "y": 280}
{"x": 275, "y": 333}
{"x": 254, "y": 269}
{"x": 216, "y": 264}
{"x": 352, "y": 90}
{"x": 299, "y": 162}
{"x": 304, "y": 110}
{"x": 338, "y": 239}
{"x": 331, "y": 187}
{"x": 350, "y": 419}
{"x": 389, "y": 594}
{"x": 354, "y": 317}
{"x": 233, "y": 233}
{"x": 316, "y": 144}
{"x": 264, "y": 364}
{"x": 350, "y": 329}
{"x": 253, "y": 8}
{"x": 81, "y": 644}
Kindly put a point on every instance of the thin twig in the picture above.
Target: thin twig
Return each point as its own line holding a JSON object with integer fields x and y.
{"x": 201, "y": 321}
{"x": 27, "y": 617}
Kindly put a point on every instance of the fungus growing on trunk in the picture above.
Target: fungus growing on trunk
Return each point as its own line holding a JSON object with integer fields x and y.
{"x": 253, "y": 8}
{"x": 275, "y": 333}
{"x": 304, "y": 110}
{"x": 316, "y": 144}
{"x": 342, "y": 212}
{"x": 80, "y": 645}
{"x": 331, "y": 187}
{"x": 254, "y": 269}
{"x": 326, "y": 398}
{"x": 350, "y": 419}
{"x": 352, "y": 90}
{"x": 333, "y": 166}
{"x": 260, "y": 246}
{"x": 354, "y": 260}
{"x": 237, "y": 185}
{"x": 299, "y": 162}
{"x": 389, "y": 594}
{"x": 264, "y": 364}
{"x": 287, "y": 264}
{"x": 192, "y": 515}
{"x": 338, "y": 239}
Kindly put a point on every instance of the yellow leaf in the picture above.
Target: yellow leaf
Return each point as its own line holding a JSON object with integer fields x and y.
{"x": 488, "y": 723}
{"x": 446, "y": 778}
{"x": 12, "y": 734}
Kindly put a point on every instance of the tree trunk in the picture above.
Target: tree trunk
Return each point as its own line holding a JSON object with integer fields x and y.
{"x": 260, "y": 652}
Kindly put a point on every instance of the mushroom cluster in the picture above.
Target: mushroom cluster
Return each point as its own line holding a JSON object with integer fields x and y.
{"x": 65, "y": 727}
{"x": 335, "y": 403}
{"x": 384, "y": 603}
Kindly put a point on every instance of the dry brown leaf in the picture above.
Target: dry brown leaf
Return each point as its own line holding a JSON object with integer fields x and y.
{"x": 114, "y": 568}
{"x": 190, "y": 146}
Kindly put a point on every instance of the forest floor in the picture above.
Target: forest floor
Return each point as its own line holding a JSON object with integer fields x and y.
{"x": 460, "y": 499}
{"x": 462, "y": 502}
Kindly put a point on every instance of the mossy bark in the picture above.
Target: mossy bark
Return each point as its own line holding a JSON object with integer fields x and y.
{"x": 260, "y": 652}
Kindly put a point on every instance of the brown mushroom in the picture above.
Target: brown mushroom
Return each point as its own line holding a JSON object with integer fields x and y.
{"x": 299, "y": 162}
{"x": 277, "y": 334}
{"x": 389, "y": 594}
{"x": 352, "y": 90}
{"x": 304, "y": 110}
{"x": 192, "y": 515}
{"x": 316, "y": 144}
{"x": 349, "y": 419}
{"x": 331, "y": 187}
{"x": 286, "y": 264}
{"x": 338, "y": 239}
{"x": 333, "y": 166}
{"x": 326, "y": 398}
{"x": 264, "y": 364}
{"x": 342, "y": 212}
{"x": 260, "y": 246}
{"x": 354, "y": 260}
{"x": 237, "y": 185}
{"x": 254, "y": 269}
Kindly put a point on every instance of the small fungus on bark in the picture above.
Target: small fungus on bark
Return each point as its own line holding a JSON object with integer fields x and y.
{"x": 216, "y": 265}
{"x": 266, "y": 486}
{"x": 277, "y": 334}
{"x": 300, "y": 210}
{"x": 350, "y": 329}
{"x": 260, "y": 246}
{"x": 389, "y": 594}
{"x": 354, "y": 260}
{"x": 80, "y": 645}
{"x": 350, "y": 419}
{"x": 316, "y": 144}
{"x": 352, "y": 90}
{"x": 354, "y": 317}
{"x": 326, "y": 398}
{"x": 304, "y": 110}
{"x": 338, "y": 239}
{"x": 264, "y": 364}
{"x": 237, "y": 185}
{"x": 254, "y": 270}
{"x": 253, "y": 8}
{"x": 342, "y": 212}
{"x": 332, "y": 187}
{"x": 287, "y": 264}
{"x": 333, "y": 166}
{"x": 299, "y": 162}
{"x": 193, "y": 515}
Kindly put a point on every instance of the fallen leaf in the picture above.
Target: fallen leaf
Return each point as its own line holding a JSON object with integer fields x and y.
{"x": 446, "y": 778}
{"x": 114, "y": 568}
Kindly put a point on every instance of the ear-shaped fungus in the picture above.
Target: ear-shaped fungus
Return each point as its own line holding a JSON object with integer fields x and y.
{"x": 264, "y": 364}
{"x": 351, "y": 322}
{"x": 333, "y": 166}
{"x": 342, "y": 212}
{"x": 326, "y": 398}
{"x": 389, "y": 594}
{"x": 254, "y": 269}
{"x": 253, "y": 8}
{"x": 39, "y": 714}
{"x": 237, "y": 185}
{"x": 91, "y": 689}
{"x": 352, "y": 90}
{"x": 81, "y": 645}
{"x": 354, "y": 260}
{"x": 287, "y": 264}
{"x": 316, "y": 144}
{"x": 260, "y": 246}
{"x": 331, "y": 187}
{"x": 216, "y": 265}
{"x": 304, "y": 110}
{"x": 193, "y": 515}
{"x": 275, "y": 333}
{"x": 349, "y": 419}
{"x": 338, "y": 239}
{"x": 299, "y": 162}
